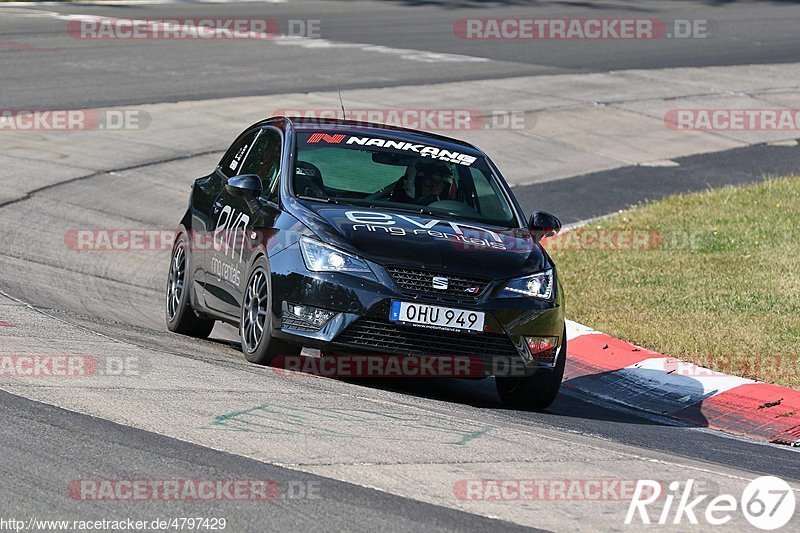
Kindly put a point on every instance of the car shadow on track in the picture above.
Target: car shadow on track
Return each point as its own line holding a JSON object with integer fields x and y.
{"x": 572, "y": 402}
{"x": 600, "y": 396}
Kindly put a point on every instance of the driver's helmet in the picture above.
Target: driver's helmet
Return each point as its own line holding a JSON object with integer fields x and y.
{"x": 431, "y": 173}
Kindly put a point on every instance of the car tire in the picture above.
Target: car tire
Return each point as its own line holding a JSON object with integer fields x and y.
{"x": 255, "y": 321}
{"x": 181, "y": 317}
{"x": 537, "y": 391}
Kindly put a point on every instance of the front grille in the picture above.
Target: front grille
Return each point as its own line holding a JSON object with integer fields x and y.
{"x": 460, "y": 289}
{"x": 289, "y": 321}
{"x": 547, "y": 357}
{"x": 378, "y": 335}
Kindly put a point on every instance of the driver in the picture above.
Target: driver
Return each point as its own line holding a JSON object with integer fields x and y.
{"x": 424, "y": 185}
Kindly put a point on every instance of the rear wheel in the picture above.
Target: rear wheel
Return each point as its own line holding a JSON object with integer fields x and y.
{"x": 180, "y": 315}
{"x": 537, "y": 391}
{"x": 255, "y": 325}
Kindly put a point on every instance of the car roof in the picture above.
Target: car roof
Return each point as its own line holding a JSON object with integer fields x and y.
{"x": 369, "y": 128}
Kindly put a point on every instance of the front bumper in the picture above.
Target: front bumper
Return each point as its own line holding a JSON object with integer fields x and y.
{"x": 361, "y": 323}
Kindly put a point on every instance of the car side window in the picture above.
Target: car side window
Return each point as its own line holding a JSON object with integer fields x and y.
{"x": 232, "y": 161}
{"x": 489, "y": 195}
{"x": 264, "y": 159}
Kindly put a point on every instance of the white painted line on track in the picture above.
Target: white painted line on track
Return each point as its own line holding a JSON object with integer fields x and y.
{"x": 408, "y": 54}
{"x": 659, "y": 163}
{"x": 672, "y": 374}
{"x": 574, "y": 330}
{"x": 138, "y": 2}
{"x": 404, "y": 53}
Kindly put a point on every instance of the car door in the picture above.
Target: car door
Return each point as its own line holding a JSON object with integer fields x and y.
{"x": 237, "y": 229}
{"x": 207, "y": 213}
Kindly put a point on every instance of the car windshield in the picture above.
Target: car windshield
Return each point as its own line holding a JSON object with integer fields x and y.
{"x": 386, "y": 172}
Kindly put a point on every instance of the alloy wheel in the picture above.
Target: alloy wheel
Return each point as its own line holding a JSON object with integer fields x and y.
{"x": 254, "y": 315}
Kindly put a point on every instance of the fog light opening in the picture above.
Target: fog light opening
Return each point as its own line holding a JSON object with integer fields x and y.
{"x": 542, "y": 349}
{"x": 309, "y": 314}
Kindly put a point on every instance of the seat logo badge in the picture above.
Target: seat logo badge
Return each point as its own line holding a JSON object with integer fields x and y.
{"x": 440, "y": 283}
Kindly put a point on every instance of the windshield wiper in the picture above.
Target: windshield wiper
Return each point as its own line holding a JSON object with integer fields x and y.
{"x": 431, "y": 212}
{"x": 327, "y": 200}
{"x": 419, "y": 210}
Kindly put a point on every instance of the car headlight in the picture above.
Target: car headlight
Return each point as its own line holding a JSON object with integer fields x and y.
{"x": 320, "y": 257}
{"x": 536, "y": 286}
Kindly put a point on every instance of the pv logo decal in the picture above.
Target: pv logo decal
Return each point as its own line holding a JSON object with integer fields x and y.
{"x": 229, "y": 224}
{"x": 440, "y": 283}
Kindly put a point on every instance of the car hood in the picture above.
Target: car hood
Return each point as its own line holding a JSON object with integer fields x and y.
{"x": 402, "y": 238}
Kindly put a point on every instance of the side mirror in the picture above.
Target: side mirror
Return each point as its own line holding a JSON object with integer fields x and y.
{"x": 247, "y": 186}
{"x": 543, "y": 224}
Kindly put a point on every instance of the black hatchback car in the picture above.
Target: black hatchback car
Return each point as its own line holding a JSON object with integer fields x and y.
{"x": 370, "y": 239}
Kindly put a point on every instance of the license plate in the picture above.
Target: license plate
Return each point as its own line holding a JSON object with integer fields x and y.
{"x": 433, "y": 316}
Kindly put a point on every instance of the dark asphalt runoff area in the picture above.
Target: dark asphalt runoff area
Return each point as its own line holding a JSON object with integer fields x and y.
{"x": 592, "y": 195}
{"x": 96, "y": 73}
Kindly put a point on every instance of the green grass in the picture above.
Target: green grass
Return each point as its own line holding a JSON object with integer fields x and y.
{"x": 722, "y": 289}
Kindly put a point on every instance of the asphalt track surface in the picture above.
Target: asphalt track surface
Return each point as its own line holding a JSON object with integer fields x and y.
{"x": 596, "y": 194}
{"x": 119, "y": 298}
{"x": 113, "y": 451}
{"x": 93, "y": 73}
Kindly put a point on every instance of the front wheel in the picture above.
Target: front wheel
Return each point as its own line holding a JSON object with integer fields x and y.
{"x": 255, "y": 324}
{"x": 537, "y": 391}
{"x": 180, "y": 316}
